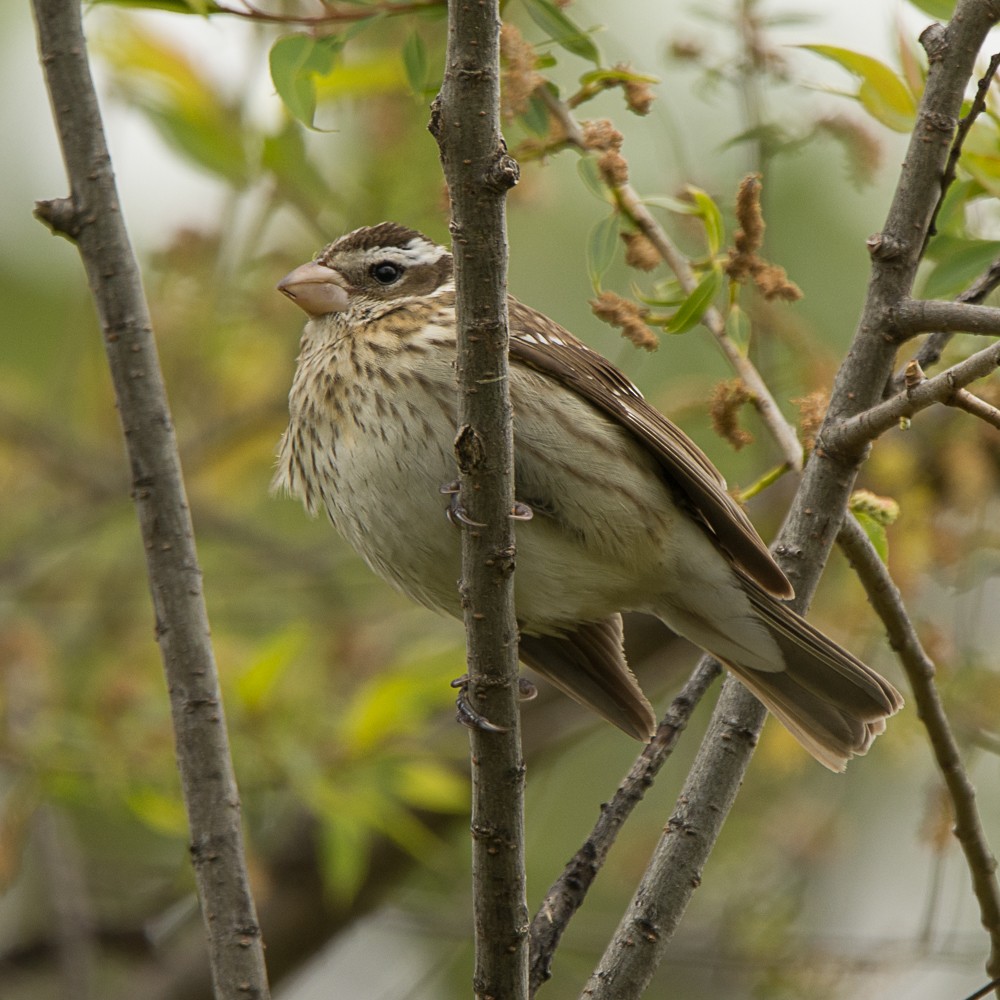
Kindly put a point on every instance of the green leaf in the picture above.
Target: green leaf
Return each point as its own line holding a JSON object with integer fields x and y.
{"x": 960, "y": 262}
{"x": 562, "y": 30}
{"x": 295, "y": 62}
{"x": 163, "y": 813}
{"x": 940, "y": 10}
{"x": 617, "y": 74}
{"x": 255, "y": 685}
{"x": 299, "y": 180}
{"x": 586, "y": 167}
{"x": 951, "y": 216}
{"x": 601, "y": 247}
{"x": 428, "y": 785}
{"x": 180, "y": 101}
{"x": 693, "y": 307}
{"x": 882, "y": 93}
{"x": 876, "y": 533}
{"x": 738, "y": 329}
{"x": 715, "y": 230}
{"x": 536, "y": 116}
{"x": 415, "y": 63}
{"x": 343, "y": 853}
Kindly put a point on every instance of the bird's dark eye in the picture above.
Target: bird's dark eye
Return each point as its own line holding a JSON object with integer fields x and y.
{"x": 385, "y": 272}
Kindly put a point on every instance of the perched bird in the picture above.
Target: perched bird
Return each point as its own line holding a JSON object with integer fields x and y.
{"x": 628, "y": 513}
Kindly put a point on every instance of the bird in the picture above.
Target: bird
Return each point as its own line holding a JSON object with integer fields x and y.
{"x": 620, "y": 510}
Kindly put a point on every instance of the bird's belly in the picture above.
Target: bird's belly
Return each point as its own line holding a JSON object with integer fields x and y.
{"x": 580, "y": 562}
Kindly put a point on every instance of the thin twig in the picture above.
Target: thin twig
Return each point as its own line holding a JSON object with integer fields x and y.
{"x": 965, "y": 400}
{"x": 964, "y": 127}
{"x": 569, "y": 890}
{"x": 92, "y": 219}
{"x": 632, "y": 205}
{"x": 888, "y": 604}
{"x": 344, "y": 15}
{"x": 858, "y": 431}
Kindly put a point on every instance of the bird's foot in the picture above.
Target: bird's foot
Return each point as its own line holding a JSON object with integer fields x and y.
{"x": 457, "y": 515}
{"x": 472, "y": 719}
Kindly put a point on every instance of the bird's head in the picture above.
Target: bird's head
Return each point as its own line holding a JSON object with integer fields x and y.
{"x": 367, "y": 270}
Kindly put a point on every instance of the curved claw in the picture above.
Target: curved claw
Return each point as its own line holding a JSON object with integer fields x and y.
{"x": 467, "y": 715}
{"x": 521, "y": 512}
{"x": 455, "y": 511}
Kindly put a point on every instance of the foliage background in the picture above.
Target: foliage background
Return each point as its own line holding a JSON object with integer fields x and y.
{"x": 351, "y": 770}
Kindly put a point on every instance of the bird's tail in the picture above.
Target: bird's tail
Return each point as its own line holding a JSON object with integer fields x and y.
{"x": 830, "y": 701}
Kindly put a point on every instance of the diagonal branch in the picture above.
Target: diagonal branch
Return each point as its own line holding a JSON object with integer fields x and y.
{"x": 860, "y": 430}
{"x": 91, "y": 217}
{"x": 567, "y": 893}
{"x": 888, "y": 604}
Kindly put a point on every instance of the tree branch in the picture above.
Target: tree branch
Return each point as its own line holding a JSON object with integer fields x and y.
{"x": 965, "y": 400}
{"x": 914, "y": 316}
{"x": 814, "y": 519}
{"x": 857, "y": 431}
{"x": 888, "y": 604}
{"x": 92, "y": 218}
{"x": 465, "y": 121}
{"x": 961, "y": 133}
{"x": 569, "y": 890}
{"x": 932, "y": 348}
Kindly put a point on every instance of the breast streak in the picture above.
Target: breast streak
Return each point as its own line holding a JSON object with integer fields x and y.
{"x": 589, "y": 550}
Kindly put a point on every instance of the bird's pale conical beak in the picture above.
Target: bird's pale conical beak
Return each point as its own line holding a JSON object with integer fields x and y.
{"x": 316, "y": 289}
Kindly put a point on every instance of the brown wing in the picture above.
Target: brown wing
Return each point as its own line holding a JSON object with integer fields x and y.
{"x": 537, "y": 341}
{"x": 589, "y": 665}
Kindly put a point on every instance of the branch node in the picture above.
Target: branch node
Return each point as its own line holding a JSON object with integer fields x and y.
{"x": 934, "y": 39}
{"x": 61, "y": 216}
{"x": 884, "y": 247}
{"x": 914, "y": 376}
{"x": 503, "y": 173}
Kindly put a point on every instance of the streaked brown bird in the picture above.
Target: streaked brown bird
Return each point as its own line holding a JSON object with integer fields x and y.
{"x": 628, "y": 513}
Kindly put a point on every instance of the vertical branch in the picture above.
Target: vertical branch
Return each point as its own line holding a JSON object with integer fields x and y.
{"x": 91, "y": 217}
{"x": 465, "y": 121}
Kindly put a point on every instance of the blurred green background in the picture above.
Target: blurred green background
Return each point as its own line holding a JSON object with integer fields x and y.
{"x": 352, "y": 772}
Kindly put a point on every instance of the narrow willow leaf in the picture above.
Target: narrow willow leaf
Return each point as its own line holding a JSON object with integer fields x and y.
{"x": 694, "y": 306}
{"x": 536, "y": 116}
{"x": 601, "y": 247}
{"x": 738, "y": 329}
{"x": 960, "y": 263}
{"x": 940, "y": 10}
{"x": 415, "y": 63}
{"x": 586, "y": 167}
{"x": 715, "y": 230}
{"x": 882, "y": 93}
{"x": 295, "y": 62}
{"x": 562, "y": 30}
